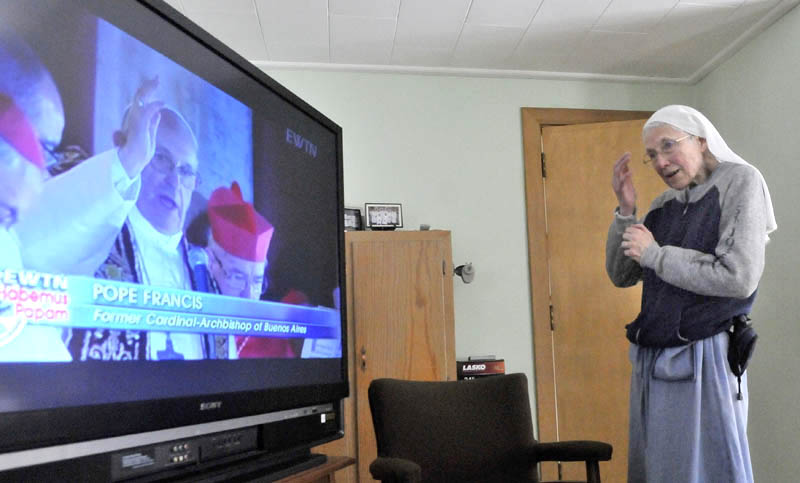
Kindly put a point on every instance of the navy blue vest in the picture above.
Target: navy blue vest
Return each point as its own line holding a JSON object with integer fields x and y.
{"x": 672, "y": 316}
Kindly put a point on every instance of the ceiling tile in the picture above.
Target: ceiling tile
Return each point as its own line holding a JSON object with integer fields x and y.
{"x": 217, "y": 6}
{"x": 546, "y": 62}
{"x": 686, "y": 21}
{"x": 547, "y": 48}
{"x": 486, "y": 46}
{"x": 365, "y": 8}
{"x": 713, "y": 3}
{"x": 437, "y": 25}
{"x": 599, "y": 51}
{"x": 647, "y": 38}
{"x": 302, "y": 21}
{"x": 556, "y": 33}
{"x": 552, "y": 40}
{"x": 420, "y": 56}
{"x": 753, "y": 10}
{"x": 298, "y": 52}
{"x": 684, "y": 56}
{"x": 239, "y": 31}
{"x": 633, "y": 15}
{"x": 569, "y": 14}
{"x": 682, "y": 62}
{"x": 361, "y": 40}
{"x": 502, "y": 13}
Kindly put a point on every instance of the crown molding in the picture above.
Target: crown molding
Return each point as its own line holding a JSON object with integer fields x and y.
{"x": 463, "y": 72}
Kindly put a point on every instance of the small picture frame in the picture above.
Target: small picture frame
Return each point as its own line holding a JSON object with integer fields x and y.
{"x": 383, "y": 216}
{"x": 352, "y": 219}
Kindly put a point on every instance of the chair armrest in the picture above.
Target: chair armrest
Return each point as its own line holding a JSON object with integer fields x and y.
{"x": 572, "y": 451}
{"x": 395, "y": 470}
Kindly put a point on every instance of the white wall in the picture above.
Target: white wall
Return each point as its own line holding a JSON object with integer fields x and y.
{"x": 754, "y": 100}
{"x": 450, "y": 150}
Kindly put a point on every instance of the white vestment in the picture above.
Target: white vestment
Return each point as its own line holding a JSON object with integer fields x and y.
{"x": 71, "y": 228}
{"x": 163, "y": 266}
{"x": 75, "y": 222}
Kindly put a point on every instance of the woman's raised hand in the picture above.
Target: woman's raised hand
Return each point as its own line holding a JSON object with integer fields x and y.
{"x": 622, "y": 183}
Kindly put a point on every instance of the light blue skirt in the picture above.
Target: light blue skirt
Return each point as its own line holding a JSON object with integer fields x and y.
{"x": 686, "y": 423}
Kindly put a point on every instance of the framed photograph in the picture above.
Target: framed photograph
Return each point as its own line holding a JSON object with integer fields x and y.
{"x": 352, "y": 219}
{"x": 383, "y": 216}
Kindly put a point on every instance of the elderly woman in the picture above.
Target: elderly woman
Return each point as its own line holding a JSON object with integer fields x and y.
{"x": 700, "y": 254}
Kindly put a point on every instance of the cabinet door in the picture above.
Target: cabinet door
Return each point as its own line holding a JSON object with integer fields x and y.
{"x": 402, "y": 306}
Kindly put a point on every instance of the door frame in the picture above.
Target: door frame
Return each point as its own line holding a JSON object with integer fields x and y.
{"x": 533, "y": 119}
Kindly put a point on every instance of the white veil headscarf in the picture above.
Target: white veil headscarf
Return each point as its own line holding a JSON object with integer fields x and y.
{"x": 692, "y": 121}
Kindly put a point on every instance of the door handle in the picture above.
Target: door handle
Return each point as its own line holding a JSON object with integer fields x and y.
{"x": 363, "y": 358}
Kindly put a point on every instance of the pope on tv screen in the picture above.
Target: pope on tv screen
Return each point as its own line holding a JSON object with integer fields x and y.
{"x": 148, "y": 210}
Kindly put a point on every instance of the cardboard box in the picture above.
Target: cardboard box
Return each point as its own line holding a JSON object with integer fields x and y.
{"x": 472, "y": 369}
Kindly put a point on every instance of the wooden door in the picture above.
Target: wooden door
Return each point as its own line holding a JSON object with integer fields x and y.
{"x": 590, "y": 352}
{"x": 402, "y": 317}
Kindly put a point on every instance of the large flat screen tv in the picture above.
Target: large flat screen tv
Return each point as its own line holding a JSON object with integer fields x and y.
{"x": 171, "y": 245}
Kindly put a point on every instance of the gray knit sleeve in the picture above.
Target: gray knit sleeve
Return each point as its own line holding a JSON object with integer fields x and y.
{"x": 736, "y": 265}
{"x": 623, "y": 271}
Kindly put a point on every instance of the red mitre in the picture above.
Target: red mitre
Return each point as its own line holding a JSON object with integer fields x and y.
{"x": 236, "y": 226}
{"x": 18, "y": 132}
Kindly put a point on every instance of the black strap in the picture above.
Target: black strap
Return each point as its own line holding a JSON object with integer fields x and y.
{"x": 130, "y": 255}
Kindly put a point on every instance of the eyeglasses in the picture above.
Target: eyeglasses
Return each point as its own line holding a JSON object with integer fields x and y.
{"x": 50, "y": 152}
{"x": 8, "y": 216}
{"x": 238, "y": 280}
{"x": 667, "y": 147}
{"x": 162, "y": 161}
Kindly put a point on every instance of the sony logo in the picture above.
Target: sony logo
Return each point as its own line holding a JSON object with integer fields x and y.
{"x": 475, "y": 367}
{"x": 205, "y": 406}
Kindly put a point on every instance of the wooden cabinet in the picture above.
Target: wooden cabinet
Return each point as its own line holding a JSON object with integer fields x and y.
{"x": 400, "y": 325}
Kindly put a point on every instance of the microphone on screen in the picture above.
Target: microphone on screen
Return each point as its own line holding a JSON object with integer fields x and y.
{"x": 198, "y": 261}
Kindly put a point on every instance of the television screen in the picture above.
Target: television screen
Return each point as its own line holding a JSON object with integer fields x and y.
{"x": 171, "y": 246}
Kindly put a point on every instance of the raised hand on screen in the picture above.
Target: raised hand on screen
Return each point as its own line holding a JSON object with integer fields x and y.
{"x": 136, "y": 139}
